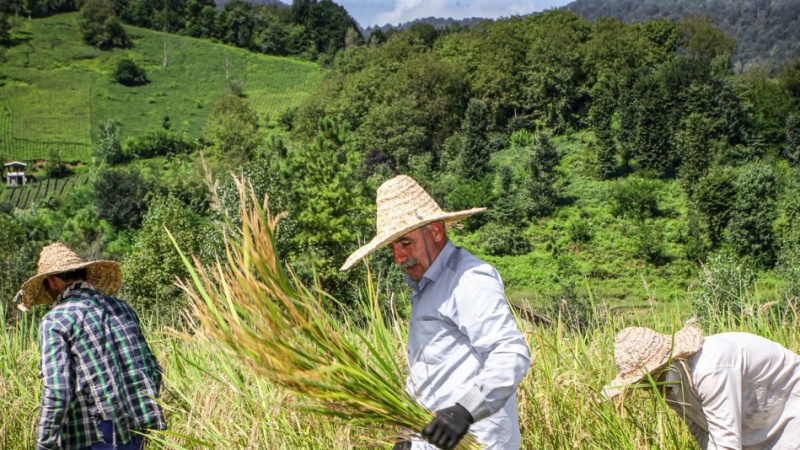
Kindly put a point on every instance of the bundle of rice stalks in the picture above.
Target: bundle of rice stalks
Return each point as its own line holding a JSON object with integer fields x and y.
{"x": 260, "y": 311}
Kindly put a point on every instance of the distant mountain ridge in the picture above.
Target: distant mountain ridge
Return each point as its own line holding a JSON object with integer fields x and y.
{"x": 437, "y": 23}
{"x": 221, "y": 3}
{"x": 766, "y": 31}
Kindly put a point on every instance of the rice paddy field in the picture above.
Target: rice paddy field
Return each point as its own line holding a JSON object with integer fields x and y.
{"x": 229, "y": 383}
{"x": 214, "y": 401}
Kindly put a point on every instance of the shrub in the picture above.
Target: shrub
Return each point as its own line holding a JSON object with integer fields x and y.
{"x": 750, "y": 227}
{"x": 724, "y": 289}
{"x": 109, "y": 149}
{"x": 158, "y": 143}
{"x": 101, "y": 27}
{"x": 635, "y": 198}
{"x": 579, "y": 231}
{"x": 504, "y": 240}
{"x": 128, "y": 73}
{"x": 121, "y": 197}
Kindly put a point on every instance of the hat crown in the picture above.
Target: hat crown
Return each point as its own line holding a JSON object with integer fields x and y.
{"x": 402, "y": 202}
{"x": 56, "y": 257}
{"x": 637, "y": 345}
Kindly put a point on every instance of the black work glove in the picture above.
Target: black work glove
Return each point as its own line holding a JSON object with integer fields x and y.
{"x": 448, "y": 427}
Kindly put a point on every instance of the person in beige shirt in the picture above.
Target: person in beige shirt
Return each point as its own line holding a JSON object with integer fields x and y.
{"x": 733, "y": 390}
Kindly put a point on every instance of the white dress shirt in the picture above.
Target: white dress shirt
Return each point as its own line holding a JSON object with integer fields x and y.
{"x": 740, "y": 391}
{"x": 464, "y": 346}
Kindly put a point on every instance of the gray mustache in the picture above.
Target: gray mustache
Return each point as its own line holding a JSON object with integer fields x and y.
{"x": 408, "y": 263}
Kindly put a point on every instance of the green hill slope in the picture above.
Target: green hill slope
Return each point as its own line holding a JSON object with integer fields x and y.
{"x": 57, "y": 91}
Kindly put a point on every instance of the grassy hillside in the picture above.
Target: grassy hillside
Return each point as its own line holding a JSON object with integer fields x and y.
{"x": 57, "y": 91}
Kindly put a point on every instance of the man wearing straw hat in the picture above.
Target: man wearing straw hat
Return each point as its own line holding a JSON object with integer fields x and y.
{"x": 100, "y": 378}
{"x": 466, "y": 355}
{"x": 733, "y": 390}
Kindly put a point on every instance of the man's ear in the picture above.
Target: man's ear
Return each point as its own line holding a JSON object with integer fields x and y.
{"x": 438, "y": 230}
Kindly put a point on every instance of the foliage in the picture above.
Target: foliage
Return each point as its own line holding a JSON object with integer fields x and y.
{"x": 714, "y": 200}
{"x": 693, "y": 146}
{"x": 725, "y": 289}
{"x": 122, "y": 196}
{"x": 704, "y": 39}
{"x": 601, "y": 116}
{"x": 128, "y": 73}
{"x": 56, "y": 167}
{"x": 158, "y": 143}
{"x": 635, "y": 198}
{"x": 504, "y": 240}
{"x": 771, "y": 105}
{"x": 750, "y": 227}
{"x": 109, "y": 149}
{"x": 762, "y": 32}
{"x": 153, "y": 264}
{"x": 232, "y": 130}
{"x": 5, "y": 30}
{"x": 540, "y": 183}
{"x": 474, "y": 156}
{"x": 792, "y": 150}
{"x": 101, "y": 27}
{"x": 645, "y": 122}
{"x": 321, "y": 187}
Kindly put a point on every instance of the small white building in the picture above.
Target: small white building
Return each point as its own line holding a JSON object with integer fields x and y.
{"x": 15, "y": 174}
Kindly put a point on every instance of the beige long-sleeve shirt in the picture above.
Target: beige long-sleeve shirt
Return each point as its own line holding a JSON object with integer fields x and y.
{"x": 740, "y": 391}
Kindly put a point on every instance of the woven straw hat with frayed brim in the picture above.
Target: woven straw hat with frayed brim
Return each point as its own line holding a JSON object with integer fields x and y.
{"x": 402, "y": 207}
{"x": 105, "y": 276}
{"x": 639, "y": 351}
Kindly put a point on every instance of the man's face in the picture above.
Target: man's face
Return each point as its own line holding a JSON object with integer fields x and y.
{"x": 416, "y": 250}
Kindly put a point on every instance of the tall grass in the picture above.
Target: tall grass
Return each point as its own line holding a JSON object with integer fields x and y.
{"x": 214, "y": 400}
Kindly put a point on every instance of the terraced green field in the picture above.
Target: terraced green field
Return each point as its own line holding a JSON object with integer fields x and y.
{"x": 56, "y": 91}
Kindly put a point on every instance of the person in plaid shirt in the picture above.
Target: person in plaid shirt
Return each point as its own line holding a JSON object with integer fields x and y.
{"x": 101, "y": 379}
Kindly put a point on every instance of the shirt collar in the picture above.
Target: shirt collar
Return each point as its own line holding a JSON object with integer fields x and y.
{"x": 435, "y": 269}
{"x": 76, "y": 286}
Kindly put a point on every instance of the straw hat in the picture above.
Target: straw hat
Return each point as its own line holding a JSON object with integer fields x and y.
{"x": 640, "y": 351}
{"x": 105, "y": 276}
{"x": 403, "y": 206}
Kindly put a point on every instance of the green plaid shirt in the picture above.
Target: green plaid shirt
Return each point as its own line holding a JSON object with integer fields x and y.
{"x": 96, "y": 365}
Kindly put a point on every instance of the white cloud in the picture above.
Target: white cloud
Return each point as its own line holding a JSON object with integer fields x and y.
{"x": 407, "y": 10}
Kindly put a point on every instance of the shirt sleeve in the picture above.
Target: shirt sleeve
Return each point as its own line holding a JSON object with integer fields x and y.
{"x": 484, "y": 316}
{"x": 720, "y": 391}
{"x": 56, "y": 366}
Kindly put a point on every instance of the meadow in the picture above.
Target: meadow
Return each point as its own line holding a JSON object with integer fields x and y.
{"x": 56, "y": 91}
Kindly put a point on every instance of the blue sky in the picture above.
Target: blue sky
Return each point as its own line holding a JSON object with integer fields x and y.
{"x": 381, "y": 12}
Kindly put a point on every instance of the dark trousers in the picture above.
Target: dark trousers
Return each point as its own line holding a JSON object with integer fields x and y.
{"x": 107, "y": 428}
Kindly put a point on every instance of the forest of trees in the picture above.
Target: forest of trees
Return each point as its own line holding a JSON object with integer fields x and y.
{"x": 656, "y": 101}
{"x": 309, "y": 29}
{"x": 766, "y": 31}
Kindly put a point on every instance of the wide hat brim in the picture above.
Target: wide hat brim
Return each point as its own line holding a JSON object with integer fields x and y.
{"x": 640, "y": 352}
{"x": 382, "y": 240}
{"x": 105, "y": 277}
